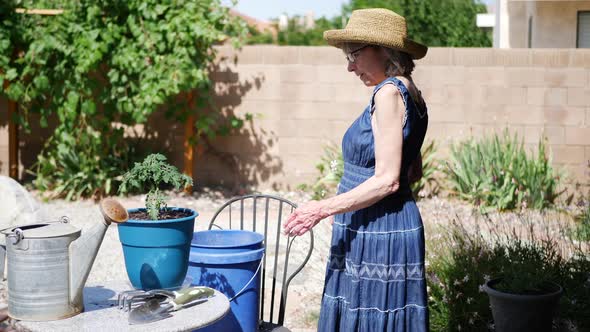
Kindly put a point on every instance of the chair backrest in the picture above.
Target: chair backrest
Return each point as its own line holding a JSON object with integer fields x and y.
{"x": 265, "y": 214}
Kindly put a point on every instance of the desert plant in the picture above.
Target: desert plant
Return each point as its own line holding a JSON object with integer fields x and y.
{"x": 496, "y": 173}
{"x": 458, "y": 265}
{"x": 528, "y": 266}
{"x": 150, "y": 175}
{"x": 331, "y": 168}
{"x": 428, "y": 182}
{"x": 582, "y": 231}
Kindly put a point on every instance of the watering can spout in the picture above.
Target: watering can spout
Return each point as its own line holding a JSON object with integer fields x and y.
{"x": 83, "y": 251}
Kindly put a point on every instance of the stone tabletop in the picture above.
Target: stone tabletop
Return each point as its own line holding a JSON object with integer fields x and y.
{"x": 101, "y": 314}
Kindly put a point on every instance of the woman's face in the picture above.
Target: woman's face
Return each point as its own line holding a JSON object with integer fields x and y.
{"x": 368, "y": 63}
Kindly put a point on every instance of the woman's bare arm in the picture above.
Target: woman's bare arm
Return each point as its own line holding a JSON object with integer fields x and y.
{"x": 387, "y": 122}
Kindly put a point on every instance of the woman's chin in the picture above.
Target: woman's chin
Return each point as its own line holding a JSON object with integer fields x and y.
{"x": 368, "y": 83}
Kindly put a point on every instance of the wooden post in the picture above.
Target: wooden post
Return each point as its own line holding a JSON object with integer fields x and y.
{"x": 34, "y": 11}
{"x": 12, "y": 138}
{"x": 13, "y": 107}
{"x": 188, "y": 147}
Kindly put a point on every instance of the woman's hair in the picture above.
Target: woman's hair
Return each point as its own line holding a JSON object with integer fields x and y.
{"x": 397, "y": 63}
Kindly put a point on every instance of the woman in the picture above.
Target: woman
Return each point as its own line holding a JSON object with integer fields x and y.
{"x": 375, "y": 274}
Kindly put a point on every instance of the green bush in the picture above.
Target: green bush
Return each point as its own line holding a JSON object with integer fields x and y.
{"x": 103, "y": 65}
{"x": 82, "y": 165}
{"x": 435, "y": 23}
{"x": 257, "y": 37}
{"x": 496, "y": 173}
{"x": 455, "y": 23}
{"x": 458, "y": 266}
{"x": 461, "y": 262}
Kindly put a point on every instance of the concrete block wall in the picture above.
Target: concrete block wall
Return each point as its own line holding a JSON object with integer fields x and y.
{"x": 535, "y": 93}
{"x": 303, "y": 99}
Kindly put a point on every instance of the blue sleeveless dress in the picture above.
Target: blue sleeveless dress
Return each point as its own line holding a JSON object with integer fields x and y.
{"x": 375, "y": 277}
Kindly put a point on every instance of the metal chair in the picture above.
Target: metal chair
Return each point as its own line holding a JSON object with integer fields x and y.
{"x": 265, "y": 214}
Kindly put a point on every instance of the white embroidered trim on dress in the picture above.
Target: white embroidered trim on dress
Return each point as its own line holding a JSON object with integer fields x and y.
{"x": 385, "y": 273}
{"x": 368, "y": 263}
{"x": 388, "y": 232}
{"x": 384, "y": 311}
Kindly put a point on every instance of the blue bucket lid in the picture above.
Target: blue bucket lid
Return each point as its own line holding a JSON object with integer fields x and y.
{"x": 226, "y": 239}
{"x": 221, "y": 258}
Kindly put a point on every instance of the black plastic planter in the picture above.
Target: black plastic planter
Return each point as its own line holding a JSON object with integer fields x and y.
{"x": 523, "y": 313}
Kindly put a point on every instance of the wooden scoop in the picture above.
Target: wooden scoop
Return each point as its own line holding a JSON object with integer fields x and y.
{"x": 113, "y": 211}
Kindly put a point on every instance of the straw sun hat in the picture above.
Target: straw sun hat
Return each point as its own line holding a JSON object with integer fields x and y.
{"x": 376, "y": 26}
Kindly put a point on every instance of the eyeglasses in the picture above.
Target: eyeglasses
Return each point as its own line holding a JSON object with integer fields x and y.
{"x": 351, "y": 56}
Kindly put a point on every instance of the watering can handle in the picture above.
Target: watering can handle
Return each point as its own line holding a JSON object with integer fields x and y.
{"x": 61, "y": 220}
{"x": 16, "y": 236}
{"x": 248, "y": 283}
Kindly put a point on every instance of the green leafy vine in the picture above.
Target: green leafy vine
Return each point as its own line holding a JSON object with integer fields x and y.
{"x": 103, "y": 65}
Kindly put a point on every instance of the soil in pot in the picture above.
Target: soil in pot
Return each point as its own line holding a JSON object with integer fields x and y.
{"x": 164, "y": 215}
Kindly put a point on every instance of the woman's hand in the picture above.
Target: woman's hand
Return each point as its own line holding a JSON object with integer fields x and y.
{"x": 304, "y": 218}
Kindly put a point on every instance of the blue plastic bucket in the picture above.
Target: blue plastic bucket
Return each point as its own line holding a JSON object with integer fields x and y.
{"x": 229, "y": 261}
{"x": 156, "y": 251}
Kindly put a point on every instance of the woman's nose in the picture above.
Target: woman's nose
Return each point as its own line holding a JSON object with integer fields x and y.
{"x": 351, "y": 66}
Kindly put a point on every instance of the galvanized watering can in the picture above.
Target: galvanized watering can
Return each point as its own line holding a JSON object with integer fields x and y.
{"x": 48, "y": 264}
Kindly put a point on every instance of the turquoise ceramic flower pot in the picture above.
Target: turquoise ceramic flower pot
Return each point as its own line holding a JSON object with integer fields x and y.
{"x": 157, "y": 251}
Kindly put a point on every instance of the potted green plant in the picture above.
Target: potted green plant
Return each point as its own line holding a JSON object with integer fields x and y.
{"x": 525, "y": 297}
{"x": 156, "y": 239}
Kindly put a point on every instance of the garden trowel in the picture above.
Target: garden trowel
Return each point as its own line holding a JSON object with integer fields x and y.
{"x": 155, "y": 308}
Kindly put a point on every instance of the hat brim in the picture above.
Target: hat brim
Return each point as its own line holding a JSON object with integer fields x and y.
{"x": 338, "y": 37}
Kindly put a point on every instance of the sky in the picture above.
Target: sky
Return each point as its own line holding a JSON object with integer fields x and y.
{"x": 267, "y": 9}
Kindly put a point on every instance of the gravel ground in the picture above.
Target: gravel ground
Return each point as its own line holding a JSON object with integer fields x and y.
{"x": 306, "y": 289}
